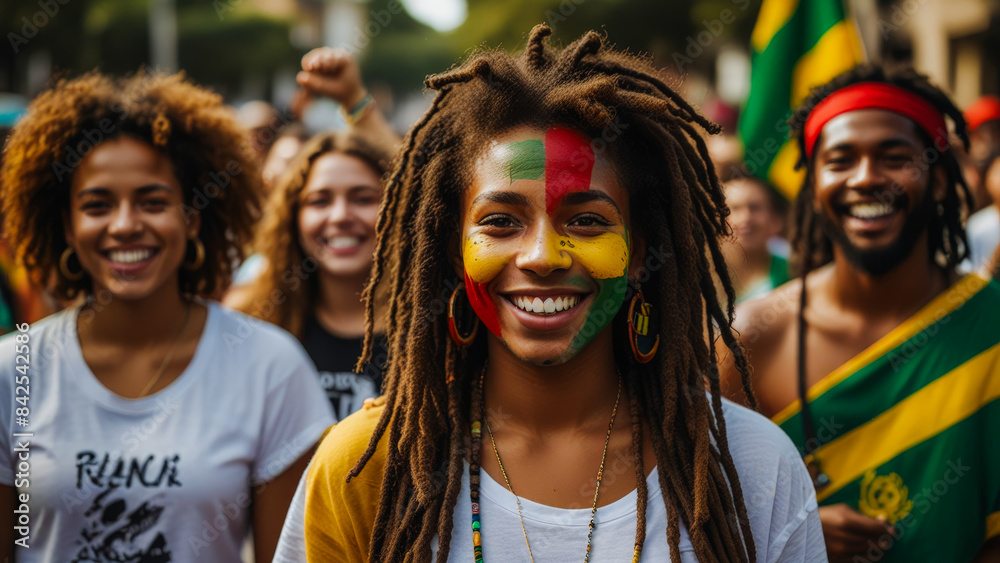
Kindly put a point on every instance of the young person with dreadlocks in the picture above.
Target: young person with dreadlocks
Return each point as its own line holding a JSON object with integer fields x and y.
{"x": 880, "y": 362}
{"x": 533, "y": 410}
{"x": 157, "y": 425}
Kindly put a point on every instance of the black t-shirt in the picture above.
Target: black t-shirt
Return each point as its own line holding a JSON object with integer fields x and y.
{"x": 335, "y": 358}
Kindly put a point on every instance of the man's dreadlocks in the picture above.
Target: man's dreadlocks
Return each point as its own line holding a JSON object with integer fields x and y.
{"x": 678, "y": 208}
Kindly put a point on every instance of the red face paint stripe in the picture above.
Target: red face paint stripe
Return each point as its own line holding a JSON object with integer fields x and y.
{"x": 569, "y": 161}
{"x": 482, "y": 304}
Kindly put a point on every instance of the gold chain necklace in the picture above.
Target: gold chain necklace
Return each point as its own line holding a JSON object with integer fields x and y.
{"x": 170, "y": 354}
{"x": 597, "y": 489}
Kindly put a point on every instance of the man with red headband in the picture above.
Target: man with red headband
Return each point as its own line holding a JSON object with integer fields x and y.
{"x": 881, "y": 362}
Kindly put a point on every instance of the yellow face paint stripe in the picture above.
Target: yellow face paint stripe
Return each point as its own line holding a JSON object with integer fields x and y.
{"x": 604, "y": 256}
{"x": 939, "y": 307}
{"x": 482, "y": 261}
{"x": 924, "y": 414}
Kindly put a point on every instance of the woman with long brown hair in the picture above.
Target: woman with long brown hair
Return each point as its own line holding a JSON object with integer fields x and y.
{"x": 549, "y": 241}
{"x": 316, "y": 243}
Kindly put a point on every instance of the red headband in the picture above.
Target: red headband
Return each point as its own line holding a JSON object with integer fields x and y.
{"x": 877, "y": 95}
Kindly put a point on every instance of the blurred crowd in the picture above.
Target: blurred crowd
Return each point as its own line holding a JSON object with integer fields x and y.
{"x": 291, "y": 247}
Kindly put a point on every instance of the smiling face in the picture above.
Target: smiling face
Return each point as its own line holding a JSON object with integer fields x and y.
{"x": 751, "y": 214}
{"x": 545, "y": 243}
{"x": 874, "y": 194}
{"x": 337, "y": 212}
{"x": 125, "y": 219}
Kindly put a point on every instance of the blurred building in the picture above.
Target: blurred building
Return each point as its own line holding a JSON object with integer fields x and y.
{"x": 953, "y": 41}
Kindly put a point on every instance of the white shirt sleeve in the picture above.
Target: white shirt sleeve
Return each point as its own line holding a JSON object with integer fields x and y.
{"x": 292, "y": 543}
{"x": 297, "y": 414}
{"x": 296, "y": 410}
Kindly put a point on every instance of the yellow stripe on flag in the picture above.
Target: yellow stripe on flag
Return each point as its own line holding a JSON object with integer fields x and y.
{"x": 993, "y": 525}
{"x": 774, "y": 14}
{"x": 837, "y": 51}
{"x": 938, "y": 406}
{"x": 940, "y": 307}
{"x": 783, "y": 174}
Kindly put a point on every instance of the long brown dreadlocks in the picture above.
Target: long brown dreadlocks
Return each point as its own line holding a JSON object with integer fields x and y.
{"x": 679, "y": 210}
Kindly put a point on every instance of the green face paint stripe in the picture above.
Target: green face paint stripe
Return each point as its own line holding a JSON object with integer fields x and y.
{"x": 607, "y": 302}
{"x": 527, "y": 160}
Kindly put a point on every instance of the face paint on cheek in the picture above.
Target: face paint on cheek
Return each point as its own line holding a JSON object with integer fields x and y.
{"x": 606, "y": 259}
{"x": 482, "y": 264}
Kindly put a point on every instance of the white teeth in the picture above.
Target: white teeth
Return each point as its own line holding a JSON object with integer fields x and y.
{"x": 129, "y": 256}
{"x": 343, "y": 242}
{"x": 870, "y": 210}
{"x": 547, "y": 307}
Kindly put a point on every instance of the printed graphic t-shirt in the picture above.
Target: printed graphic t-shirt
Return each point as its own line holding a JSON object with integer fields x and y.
{"x": 335, "y": 358}
{"x": 160, "y": 478}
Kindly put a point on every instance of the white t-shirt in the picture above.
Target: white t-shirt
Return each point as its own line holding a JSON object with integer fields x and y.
{"x": 165, "y": 477}
{"x": 983, "y": 233}
{"x": 777, "y": 490}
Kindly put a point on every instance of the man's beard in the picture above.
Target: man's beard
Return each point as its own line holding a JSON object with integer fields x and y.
{"x": 880, "y": 261}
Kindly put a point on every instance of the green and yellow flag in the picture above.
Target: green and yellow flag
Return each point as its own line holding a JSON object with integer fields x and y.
{"x": 908, "y": 429}
{"x": 796, "y": 45}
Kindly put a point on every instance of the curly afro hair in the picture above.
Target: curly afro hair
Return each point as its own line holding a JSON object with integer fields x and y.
{"x": 191, "y": 125}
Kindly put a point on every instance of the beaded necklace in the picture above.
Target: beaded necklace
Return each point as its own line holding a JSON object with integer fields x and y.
{"x": 474, "y": 477}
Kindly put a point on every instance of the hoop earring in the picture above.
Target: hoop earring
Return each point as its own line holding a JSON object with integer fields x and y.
{"x": 64, "y": 265}
{"x": 455, "y": 317}
{"x": 639, "y": 320}
{"x": 199, "y": 256}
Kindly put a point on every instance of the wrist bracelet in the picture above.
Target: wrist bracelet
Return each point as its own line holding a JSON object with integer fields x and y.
{"x": 360, "y": 110}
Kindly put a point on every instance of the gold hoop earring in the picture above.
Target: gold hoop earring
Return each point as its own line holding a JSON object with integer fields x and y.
{"x": 455, "y": 317}
{"x": 64, "y": 265}
{"x": 199, "y": 257}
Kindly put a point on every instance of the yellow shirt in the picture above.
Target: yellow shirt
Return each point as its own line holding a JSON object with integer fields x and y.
{"x": 339, "y": 516}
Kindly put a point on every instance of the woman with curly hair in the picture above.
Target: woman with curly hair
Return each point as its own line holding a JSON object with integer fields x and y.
{"x": 160, "y": 426}
{"x": 316, "y": 241}
{"x": 549, "y": 237}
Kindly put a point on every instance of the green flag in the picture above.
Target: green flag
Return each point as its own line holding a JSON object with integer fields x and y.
{"x": 796, "y": 45}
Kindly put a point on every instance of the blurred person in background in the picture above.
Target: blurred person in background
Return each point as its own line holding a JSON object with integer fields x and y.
{"x": 983, "y": 121}
{"x": 313, "y": 249}
{"x": 288, "y": 144}
{"x": 262, "y": 123}
{"x": 335, "y": 74}
{"x": 756, "y": 216}
{"x": 983, "y": 227}
{"x": 316, "y": 243}
{"x": 880, "y": 361}
{"x": 155, "y": 414}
